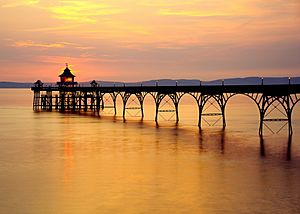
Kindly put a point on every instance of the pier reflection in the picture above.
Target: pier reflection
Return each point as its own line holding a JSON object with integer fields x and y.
{"x": 68, "y": 162}
{"x": 262, "y": 147}
{"x": 219, "y": 136}
{"x": 288, "y": 147}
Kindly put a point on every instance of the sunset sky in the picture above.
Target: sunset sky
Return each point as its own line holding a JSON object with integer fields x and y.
{"x": 131, "y": 40}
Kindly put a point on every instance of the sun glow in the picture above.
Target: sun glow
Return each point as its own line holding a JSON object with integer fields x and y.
{"x": 134, "y": 40}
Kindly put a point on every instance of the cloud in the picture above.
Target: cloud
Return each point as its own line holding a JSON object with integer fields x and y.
{"x": 83, "y": 58}
{"x": 38, "y": 45}
{"x": 10, "y": 4}
{"x": 192, "y": 13}
{"x": 29, "y": 43}
{"x": 81, "y": 11}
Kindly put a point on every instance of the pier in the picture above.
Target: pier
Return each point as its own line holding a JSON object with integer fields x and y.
{"x": 67, "y": 95}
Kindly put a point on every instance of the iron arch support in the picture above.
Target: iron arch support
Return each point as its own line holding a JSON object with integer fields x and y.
{"x": 139, "y": 95}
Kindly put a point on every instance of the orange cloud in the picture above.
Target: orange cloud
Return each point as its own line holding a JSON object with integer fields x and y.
{"x": 39, "y": 45}
{"x": 81, "y": 11}
{"x": 30, "y": 43}
{"x": 10, "y": 4}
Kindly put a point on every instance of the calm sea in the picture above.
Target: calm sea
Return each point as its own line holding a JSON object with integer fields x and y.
{"x": 69, "y": 163}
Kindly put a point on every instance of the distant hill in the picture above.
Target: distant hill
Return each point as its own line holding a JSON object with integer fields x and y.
{"x": 15, "y": 85}
{"x": 170, "y": 82}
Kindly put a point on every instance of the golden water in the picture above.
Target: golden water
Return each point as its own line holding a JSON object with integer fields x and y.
{"x": 68, "y": 163}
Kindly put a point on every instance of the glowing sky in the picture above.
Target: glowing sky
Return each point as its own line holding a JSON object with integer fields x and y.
{"x": 130, "y": 40}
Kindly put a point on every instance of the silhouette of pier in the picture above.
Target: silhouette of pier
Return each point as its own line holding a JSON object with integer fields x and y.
{"x": 68, "y": 96}
{"x": 92, "y": 98}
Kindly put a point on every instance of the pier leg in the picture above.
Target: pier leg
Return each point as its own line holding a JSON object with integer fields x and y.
{"x": 98, "y": 103}
{"x": 142, "y": 109}
{"x": 85, "y": 102}
{"x": 102, "y": 103}
{"x": 200, "y": 115}
{"x": 290, "y": 126}
{"x": 124, "y": 109}
{"x": 79, "y": 102}
{"x": 62, "y": 102}
{"x": 177, "y": 113}
{"x": 36, "y": 100}
{"x": 68, "y": 101}
{"x": 49, "y": 101}
{"x": 223, "y": 116}
{"x": 56, "y": 101}
{"x": 261, "y": 123}
{"x": 156, "y": 112}
{"x": 92, "y": 103}
{"x": 73, "y": 102}
{"x": 115, "y": 105}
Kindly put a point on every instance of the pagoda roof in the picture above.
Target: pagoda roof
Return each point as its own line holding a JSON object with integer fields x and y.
{"x": 67, "y": 73}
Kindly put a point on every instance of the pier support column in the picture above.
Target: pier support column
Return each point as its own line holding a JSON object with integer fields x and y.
{"x": 158, "y": 97}
{"x": 56, "y": 102}
{"x": 223, "y": 116}
{"x": 200, "y": 115}
{"x": 49, "y": 101}
{"x": 62, "y": 101}
{"x": 125, "y": 97}
{"x": 290, "y": 126}
{"x": 102, "y": 103}
{"x": 79, "y": 102}
{"x": 176, "y": 111}
{"x": 219, "y": 104}
{"x": 98, "y": 101}
{"x": 156, "y": 111}
{"x": 73, "y": 102}
{"x": 114, "y": 101}
{"x": 36, "y": 100}
{"x": 261, "y": 122}
{"x": 174, "y": 97}
{"x": 85, "y": 102}
{"x": 139, "y": 96}
{"x": 282, "y": 105}
{"x": 92, "y": 102}
{"x": 115, "y": 105}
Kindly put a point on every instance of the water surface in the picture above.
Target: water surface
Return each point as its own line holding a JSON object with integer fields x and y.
{"x": 69, "y": 163}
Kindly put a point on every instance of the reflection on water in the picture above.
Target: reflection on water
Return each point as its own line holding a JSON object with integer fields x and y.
{"x": 81, "y": 163}
{"x": 68, "y": 162}
{"x": 288, "y": 146}
{"x": 262, "y": 146}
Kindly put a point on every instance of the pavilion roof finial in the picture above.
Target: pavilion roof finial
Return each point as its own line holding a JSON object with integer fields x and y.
{"x": 67, "y": 65}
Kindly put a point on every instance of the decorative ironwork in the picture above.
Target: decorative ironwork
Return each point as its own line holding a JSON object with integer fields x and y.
{"x": 268, "y": 98}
